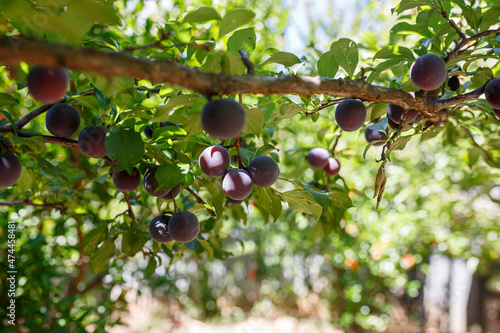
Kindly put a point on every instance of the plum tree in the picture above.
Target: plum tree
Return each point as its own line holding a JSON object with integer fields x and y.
{"x": 428, "y": 72}
{"x": 332, "y": 166}
{"x": 148, "y": 131}
{"x": 127, "y": 182}
{"x": 237, "y": 184}
{"x": 453, "y": 83}
{"x": 373, "y": 135}
{"x": 62, "y": 120}
{"x": 395, "y": 113}
{"x": 318, "y": 157}
{"x": 173, "y": 192}
{"x": 158, "y": 229}
{"x": 10, "y": 169}
{"x": 223, "y": 118}
{"x": 183, "y": 226}
{"x": 46, "y": 84}
{"x": 151, "y": 184}
{"x": 214, "y": 161}
{"x": 263, "y": 170}
{"x": 492, "y": 93}
{"x": 350, "y": 115}
{"x": 91, "y": 141}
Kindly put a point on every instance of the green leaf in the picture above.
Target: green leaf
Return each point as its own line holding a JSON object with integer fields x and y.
{"x": 24, "y": 180}
{"x": 235, "y": 19}
{"x": 232, "y": 64}
{"x": 327, "y": 65}
{"x": 168, "y": 176}
{"x": 95, "y": 11}
{"x": 243, "y": 39}
{"x": 269, "y": 201}
{"x": 7, "y": 100}
{"x": 93, "y": 238}
{"x": 319, "y": 197}
{"x": 340, "y": 199}
{"x": 132, "y": 242}
{"x": 284, "y": 58}
{"x": 399, "y": 144}
{"x": 255, "y": 120}
{"x": 490, "y": 17}
{"x": 215, "y": 193}
{"x": 201, "y": 15}
{"x": 265, "y": 149}
{"x": 300, "y": 201}
{"x": 409, "y": 4}
{"x": 99, "y": 260}
{"x": 126, "y": 146}
{"x": 206, "y": 246}
{"x": 345, "y": 53}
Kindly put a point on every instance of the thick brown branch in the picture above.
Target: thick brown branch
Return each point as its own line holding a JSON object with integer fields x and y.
{"x": 109, "y": 64}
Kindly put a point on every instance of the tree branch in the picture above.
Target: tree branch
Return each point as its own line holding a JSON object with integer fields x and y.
{"x": 456, "y": 51}
{"x": 109, "y": 64}
{"x": 28, "y": 202}
{"x": 49, "y": 139}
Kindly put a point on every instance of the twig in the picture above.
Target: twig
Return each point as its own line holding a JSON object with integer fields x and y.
{"x": 247, "y": 62}
{"x": 465, "y": 41}
{"x": 452, "y": 23}
{"x": 200, "y": 200}
{"x": 28, "y": 202}
{"x": 49, "y": 139}
{"x": 332, "y": 151}
{"x": 130, "y": 211}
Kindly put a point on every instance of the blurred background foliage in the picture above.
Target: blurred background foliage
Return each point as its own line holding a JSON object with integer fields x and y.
{"x": 81, "y": 261}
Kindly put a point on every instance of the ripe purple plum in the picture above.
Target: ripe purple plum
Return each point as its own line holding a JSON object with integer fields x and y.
{"x": 214, "y": 161}
{"x": 223, "y": 118}
{"x": 47, "y": 84}
{"x": 492, "y": 93}
{"x": 350, "y": 115}
{"x": 392, "y": 124}
{"x": 332, "y": 167}
{"x": 453, "y": 83}
{"x": 127, "y": 182}
{"x": 151, "y": 184}
{"x": 183, "y": 226}
{"x": 395, "y": 113}
{"x": 148, "y": 131}
{"x": 173, "y": 192}
{"x": 428, "y": 72}
{"x": 318, "y": 157}
{"x": 496, "y": 112}
{"x": 237, "y": 184}
{"x": 372, "y": 135}
{"x": 264, "y": 171}
{"x": 62, "y": 120}
{"x": 91, "y": 141}
{"x": 10, "y": 169}
{"x": 158, "y": 229}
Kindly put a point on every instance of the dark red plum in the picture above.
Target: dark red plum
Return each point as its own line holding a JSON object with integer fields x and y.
{"x": 237, "y": 184}
{"x": 158, "y": 229}
{"x": 62, "y": 120}
{"x": 46, "y": 84}
{"x": 350, "y": 115}
{"x": 91, "y": 141}
{"x": 264, "y": 171}
{"x": 127, "y": 182}
{"x": 332, "y": 167}
{"x": 214, "y": 161}
{"x": 10, "y": 169}
{"x": 318, "y": 157}
{"x": 428, "y": 72}
{"x": 183, "y": 226}
{"x": 223, "y": 118}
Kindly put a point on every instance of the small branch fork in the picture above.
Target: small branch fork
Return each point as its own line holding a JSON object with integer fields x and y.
{"x": 458, "y": 48}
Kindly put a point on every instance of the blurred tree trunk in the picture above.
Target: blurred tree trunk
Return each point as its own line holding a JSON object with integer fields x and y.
{"x": 475, "y": 306}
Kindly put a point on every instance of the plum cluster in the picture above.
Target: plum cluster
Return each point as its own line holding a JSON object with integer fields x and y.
{"x": 237, "y": 184}
{"x": 181, "y": 227}
{"x": 319, "y": 158}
